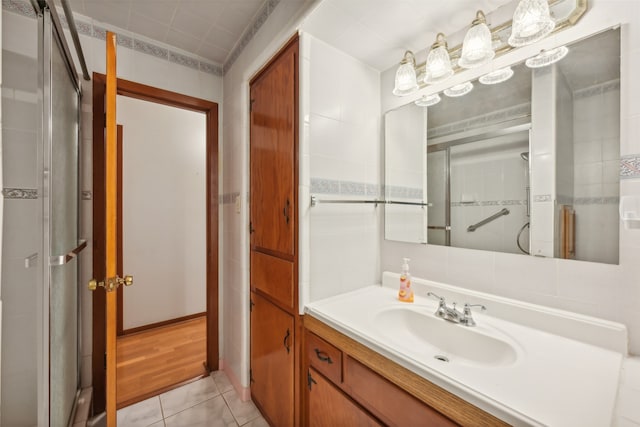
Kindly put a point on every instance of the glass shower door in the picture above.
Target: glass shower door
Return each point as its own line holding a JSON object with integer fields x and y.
{"x": 61, "y": 97}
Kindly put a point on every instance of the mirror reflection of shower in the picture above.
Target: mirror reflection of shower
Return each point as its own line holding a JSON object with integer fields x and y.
{"x": 525, "y": 156}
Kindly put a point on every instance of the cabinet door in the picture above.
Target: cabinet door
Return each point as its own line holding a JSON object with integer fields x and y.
{"x": 272, "y": 347}
{"x": 329, "y": 407}
{"x": 272, "y": 162}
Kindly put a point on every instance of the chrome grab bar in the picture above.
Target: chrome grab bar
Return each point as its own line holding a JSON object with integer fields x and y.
{"x": 63, "y": 259}
{"x": 496, "y": 215}
{"x": 315, "y": 201}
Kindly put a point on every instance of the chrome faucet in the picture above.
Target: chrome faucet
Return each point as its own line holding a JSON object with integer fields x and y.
{"x": 452, "y": 314}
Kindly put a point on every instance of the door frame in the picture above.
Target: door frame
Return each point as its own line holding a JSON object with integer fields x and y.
{"x": 172, "y": 99}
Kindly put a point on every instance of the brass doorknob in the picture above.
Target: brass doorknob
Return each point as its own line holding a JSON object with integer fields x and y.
{"x": 93, "y": 284}
{"x": 128, "y": 280}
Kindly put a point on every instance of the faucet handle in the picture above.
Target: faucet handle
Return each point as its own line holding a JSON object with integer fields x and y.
{"x": 431, "y": 294}
{"x": 467, "y": 320}
{"x": 467, "y": 307}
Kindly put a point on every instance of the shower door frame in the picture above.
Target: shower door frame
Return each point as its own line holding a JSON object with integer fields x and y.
{"x": 445, "y": 143}
{"x": 49, "y": 32}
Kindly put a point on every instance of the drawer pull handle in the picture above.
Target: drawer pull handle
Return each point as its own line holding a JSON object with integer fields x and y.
{"x": 324, "y": 357}
{"x": 285, "y": 342}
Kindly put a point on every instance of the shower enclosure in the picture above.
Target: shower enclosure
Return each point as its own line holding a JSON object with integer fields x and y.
{"x": 478, "y": 184}
{"x": 40, "y": 364}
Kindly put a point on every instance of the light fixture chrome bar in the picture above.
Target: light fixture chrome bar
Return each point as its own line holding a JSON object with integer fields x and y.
{"x": 63, "y": 259}
{"x": 76, "y": 40}
{"x": 315, "y": 201}
{"x": 493, "y": 217}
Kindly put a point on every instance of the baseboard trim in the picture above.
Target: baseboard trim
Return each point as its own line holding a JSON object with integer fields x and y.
{"x": 244, "y": 393}
{"x": 163, "y": 323}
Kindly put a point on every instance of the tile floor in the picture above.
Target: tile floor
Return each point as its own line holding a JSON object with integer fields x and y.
{"x": 210, "y": 402}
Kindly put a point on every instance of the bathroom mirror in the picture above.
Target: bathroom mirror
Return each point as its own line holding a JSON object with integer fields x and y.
{"x": 529, "y": 165}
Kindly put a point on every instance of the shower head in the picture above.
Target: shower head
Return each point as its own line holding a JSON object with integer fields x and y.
{"x": 525, "y": 156}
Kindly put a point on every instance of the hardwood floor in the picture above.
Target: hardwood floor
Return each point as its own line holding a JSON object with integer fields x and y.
{"x": 159, "y": 359}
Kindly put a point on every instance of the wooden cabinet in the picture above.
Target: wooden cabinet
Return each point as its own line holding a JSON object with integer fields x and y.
{"x": 273, "y": 155}
{"x": 328, "y": 406}
{"x": 272, "y": 344}
{"x": 375, "y": 386}
{"x": 275, "y": 355}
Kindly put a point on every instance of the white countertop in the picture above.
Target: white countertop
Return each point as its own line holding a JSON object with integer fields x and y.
{"x": 554, "y": 381}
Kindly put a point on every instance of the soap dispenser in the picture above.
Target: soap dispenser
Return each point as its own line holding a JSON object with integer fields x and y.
{"x": 405, "y": 294}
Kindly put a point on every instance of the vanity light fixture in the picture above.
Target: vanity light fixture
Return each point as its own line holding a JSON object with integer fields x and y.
{"x": 428, "y": 100}
{"x": 406, "y": 82}
{"x": 497, "y": 76}
{"x": 477, "y": 47}
{"x": 531, "y": 22}
{"x": 438, "y": 66}
{"x": 459, "y": 90}
{"x": 547, "y": 57}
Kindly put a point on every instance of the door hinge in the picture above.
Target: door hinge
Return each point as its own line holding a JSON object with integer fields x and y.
{"x": 310, "y": 380}
{"x": 251, "y": 104}
{"x": 251, "y": 304}
{"x": 251, "y": 229}
{"x": 105, "y": 360}
{"x": 251, "y": 380}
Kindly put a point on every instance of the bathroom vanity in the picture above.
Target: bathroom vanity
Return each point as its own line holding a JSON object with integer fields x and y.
{"x": 394, "y": 363}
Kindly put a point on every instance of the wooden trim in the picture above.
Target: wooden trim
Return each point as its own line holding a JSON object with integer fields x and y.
{"x": 445, "y": 402}
{"x": 120, "y": 324}
{"x": 111, "y": 233}
{"x": 143, "y": 328}
{"x": 164, "y": 97}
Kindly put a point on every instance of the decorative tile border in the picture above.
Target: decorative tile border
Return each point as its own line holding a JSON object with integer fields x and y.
{"x": 228, "y": 198}
{"x": 479, "y": 121}
{"x": 404, "y": 192}
{"x": 24, "y": 8}
{"x": 20, "y": 7}
{"x": 597, "y": 89}
{"x": 541, "y": 198}
{"x": 345, "y": 188}
{"x": 20, "y": 193}
{"x": 490, "y": 203}
{"x": 248, "y": 35}
{"x": 597, "y": 200}
{"x": 630, "y": 167}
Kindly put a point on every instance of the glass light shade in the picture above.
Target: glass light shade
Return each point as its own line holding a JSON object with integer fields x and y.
{"x": 547, "y": 57}
{"x": 477, "y": 48}
{"x": 459, "y": 90}
{"x": 428, "y": 100}
{"x": 438, "y": 67}
{"x": 497, "y": 76}
{"x": 406, "y": 81}
{"x": 531, "y": 22}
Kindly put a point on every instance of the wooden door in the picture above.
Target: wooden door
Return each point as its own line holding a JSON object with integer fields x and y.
{"x": 272, "y": 356}
{"x": 328, "y": 406}
{"x": 273, "y": 156}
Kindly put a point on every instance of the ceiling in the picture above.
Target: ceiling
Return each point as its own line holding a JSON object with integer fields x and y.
{"x": 379, "y": 31}
{"x": 208, "y": 28}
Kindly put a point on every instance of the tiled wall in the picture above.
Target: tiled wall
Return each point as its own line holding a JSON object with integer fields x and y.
{"x": 234, "y": 214}
{"x": 22, "y": 223}
{"x": 341, "y": 111}
{"x": 149, "y": 68}
{"x": 596, "y": 177}
{"x": 603, "y": 290}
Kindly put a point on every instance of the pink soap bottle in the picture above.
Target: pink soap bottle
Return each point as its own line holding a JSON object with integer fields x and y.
{"x": 405, "y": 294}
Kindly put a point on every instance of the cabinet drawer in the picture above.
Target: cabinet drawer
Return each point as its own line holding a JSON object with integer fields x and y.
{"x": 273, "y": 276}
{"x": 388, "y": 402}
{"x": 323, "y": 356}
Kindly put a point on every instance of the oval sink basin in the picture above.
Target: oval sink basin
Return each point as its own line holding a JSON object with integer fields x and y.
{"x": 431, "y": 336}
